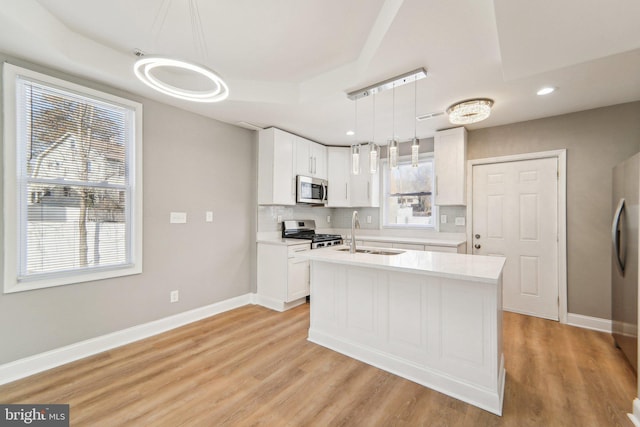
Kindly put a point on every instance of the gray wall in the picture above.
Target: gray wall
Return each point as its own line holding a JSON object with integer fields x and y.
{"x": 596, "y": 140}
{"x": 191, "y": 164}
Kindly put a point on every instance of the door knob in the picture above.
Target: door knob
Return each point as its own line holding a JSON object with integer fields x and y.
{"x": 477, "y": 236}
{"x": 477, "y": 246}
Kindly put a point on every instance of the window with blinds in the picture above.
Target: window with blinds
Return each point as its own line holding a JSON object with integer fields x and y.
{"x": 408, "y": 194}
{"x": 76, "y": 202}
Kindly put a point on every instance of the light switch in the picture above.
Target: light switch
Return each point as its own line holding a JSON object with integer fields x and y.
{"x": 209, "y": 216}
{"x": 178, "y": 218}
{"x": 368, "y": 219}
{"x": 443, "y": 219}
{"x": 329, "y": 219}
{"x": 460, "y": 220}
{"x": 279, "y": 219}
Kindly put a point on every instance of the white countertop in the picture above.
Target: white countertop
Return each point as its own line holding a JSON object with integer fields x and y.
{"x": 417, "y": 240}
{"x": 477, "y": 268}
{"x": 283, "y": 242}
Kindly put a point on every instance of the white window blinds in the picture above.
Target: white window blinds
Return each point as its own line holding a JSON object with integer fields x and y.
{"x": 74, "y": 155}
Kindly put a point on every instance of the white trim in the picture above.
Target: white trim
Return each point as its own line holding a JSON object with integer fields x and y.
{"x": 588, "y": 322}
{"x": 561, "y": 156}
{"x": 276, "y": 304}
{"x": 21, "y": 368}
{"x": 635, "y": 416}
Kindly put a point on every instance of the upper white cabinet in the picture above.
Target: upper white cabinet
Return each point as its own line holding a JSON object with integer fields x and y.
{"x": 311, "y": 158}
{"x": 450, "y": 154}
{"x": 365, "y": 186}
{"x": 339, "y": 176}
{"x": 276, "y": 167}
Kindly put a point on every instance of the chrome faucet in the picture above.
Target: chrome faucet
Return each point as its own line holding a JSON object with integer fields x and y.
{"x": 355, "y": 223}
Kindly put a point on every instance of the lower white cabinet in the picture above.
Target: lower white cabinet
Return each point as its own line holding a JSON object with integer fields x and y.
{"x": 460, "y": 248}
{"x": 297, "y": 279}
{"x": 283, "y": 279}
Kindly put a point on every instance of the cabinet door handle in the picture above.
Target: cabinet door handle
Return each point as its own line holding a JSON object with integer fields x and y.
{"x": 293, "y": 187}
{"x": 346, "y": 191}
{"x": 310, "y": 165}
{"x": 315, "y": 168}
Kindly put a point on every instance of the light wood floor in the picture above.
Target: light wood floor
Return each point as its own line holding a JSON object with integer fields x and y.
{"x": 253, "y": 366}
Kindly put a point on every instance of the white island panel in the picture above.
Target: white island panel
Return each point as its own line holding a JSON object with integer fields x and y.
{"x": 437, "y": 331}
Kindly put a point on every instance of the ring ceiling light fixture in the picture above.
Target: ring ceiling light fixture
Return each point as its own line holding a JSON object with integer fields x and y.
{"x": 470, "y": 111}
{"x": 144, "y": 66}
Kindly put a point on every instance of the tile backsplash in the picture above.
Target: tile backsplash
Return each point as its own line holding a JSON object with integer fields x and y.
{"x": 269, "y": 216}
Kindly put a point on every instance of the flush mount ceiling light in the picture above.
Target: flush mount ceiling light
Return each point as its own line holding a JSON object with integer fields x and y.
{"x": 148, "y": 69}
{"x": 546, "y": 91}
{"x": 143, "y": 70}
{"x": 470, "y": 111}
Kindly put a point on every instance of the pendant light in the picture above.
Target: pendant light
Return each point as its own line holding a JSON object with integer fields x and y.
{"x": 355, "y": 159}
{"x": 415, "y": 144}
{"x": 373, "y": 158}
{"x": 355, "y": 148}
{"x": 393, "y": 142}
{"x": 145, "y": 66}
{"x": 374, "y": 150}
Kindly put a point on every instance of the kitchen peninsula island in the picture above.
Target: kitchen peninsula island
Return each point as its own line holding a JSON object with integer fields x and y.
{"x": 433, "y": 318}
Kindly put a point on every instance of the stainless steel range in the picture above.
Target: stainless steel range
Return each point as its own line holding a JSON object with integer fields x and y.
{"x": 306, "y": 229}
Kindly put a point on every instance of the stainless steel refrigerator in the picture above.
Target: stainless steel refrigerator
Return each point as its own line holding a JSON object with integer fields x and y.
{"x": 624, "y": 268}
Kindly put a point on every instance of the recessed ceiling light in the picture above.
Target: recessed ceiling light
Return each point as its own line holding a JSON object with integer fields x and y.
{"x": 546, "y": 90}
{"x": 350, "y": 133}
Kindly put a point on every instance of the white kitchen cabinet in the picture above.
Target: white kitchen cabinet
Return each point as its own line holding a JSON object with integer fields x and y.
{"x": 276, "y": 167}
{"x": 450, "y": 154}
{"x": 339, "y": 176}
{"x": 311, "y": 158}
{"x": 365, "y": 186}
{"x": 283, "y": 279}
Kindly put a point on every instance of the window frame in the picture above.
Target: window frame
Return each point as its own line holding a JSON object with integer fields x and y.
{"x": 13, "y": 241}
{"x": 406, "y": 159}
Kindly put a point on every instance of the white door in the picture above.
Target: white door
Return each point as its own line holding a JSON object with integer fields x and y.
{"x": 515, "y": 214}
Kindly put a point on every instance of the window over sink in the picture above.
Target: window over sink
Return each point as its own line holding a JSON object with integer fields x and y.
{"x": 408, "y": 194}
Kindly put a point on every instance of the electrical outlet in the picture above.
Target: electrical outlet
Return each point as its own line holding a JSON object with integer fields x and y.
{"x": 279, "y": 219}
{"x": 209, "y": 216}
{"x": 443, "y": 219}
{"x": 174, "y": 296}
{"x": 460, "y": 220}
{"x": 329, "y": 219}
{"x": 368, "y": 219}
{"x": 178, "y": 218}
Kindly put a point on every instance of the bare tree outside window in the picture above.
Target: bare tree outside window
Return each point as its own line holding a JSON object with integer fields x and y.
{"x": 75, "y": 160}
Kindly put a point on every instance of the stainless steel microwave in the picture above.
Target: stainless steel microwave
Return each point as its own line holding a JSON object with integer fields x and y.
{"x": 311, "y": 190}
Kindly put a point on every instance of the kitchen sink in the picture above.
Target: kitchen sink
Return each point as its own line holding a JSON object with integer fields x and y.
{"x": 373, "y": 251}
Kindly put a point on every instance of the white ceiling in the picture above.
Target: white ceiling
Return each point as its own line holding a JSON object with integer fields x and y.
{"x": 289, "y": 63}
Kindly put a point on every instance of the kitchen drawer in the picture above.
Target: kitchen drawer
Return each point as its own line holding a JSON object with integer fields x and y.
{"x": 291, "y": 250}
{"x": 440, "y": 248}
{"x": 409, "y": 246}
{"x": 373, "y": 244}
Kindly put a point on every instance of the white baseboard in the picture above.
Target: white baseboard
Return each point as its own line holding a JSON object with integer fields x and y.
{"x": 275, "y": 304}
{"x": 635, "y": 416}
{"x": 587, "y": 322}
{"x": 40, "y": 362}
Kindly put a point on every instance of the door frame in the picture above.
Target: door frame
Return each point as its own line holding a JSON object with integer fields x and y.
{"x": 561, "y": 156}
